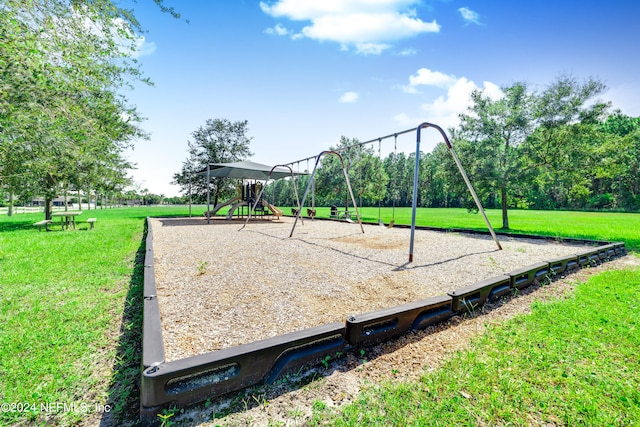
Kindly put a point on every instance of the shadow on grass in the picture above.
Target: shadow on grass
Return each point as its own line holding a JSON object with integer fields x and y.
{"x": 15, "y": 226}
{"x": 124, "y": 389}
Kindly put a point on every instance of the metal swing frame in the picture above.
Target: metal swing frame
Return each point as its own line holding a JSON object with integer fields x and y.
{"x": 464, "y": 176}
{"x": 418, "y": 129}
{"x": 312, "y": 180}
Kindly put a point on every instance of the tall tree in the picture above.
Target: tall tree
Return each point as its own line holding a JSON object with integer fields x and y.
{"x": 619, "y": 160}
{"x": 565, "y": 142}
{"x": 218, "y": 141}
{"x": 329, "y": 179}
{"x": 495, "y": 129}
{"x": 507, "y": 142}
{"x": 367, "y": 175}
{"x": 62, "y": 64}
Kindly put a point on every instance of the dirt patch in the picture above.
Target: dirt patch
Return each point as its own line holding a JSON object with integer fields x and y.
{"x": 375, "y": 242}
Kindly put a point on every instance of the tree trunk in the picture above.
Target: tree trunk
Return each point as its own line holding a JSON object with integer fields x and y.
{"x": 215, "y": 199}
{"x": 48, "y": 207}
{"x": 505, "y": 215}
{"x": 10, "y": 207}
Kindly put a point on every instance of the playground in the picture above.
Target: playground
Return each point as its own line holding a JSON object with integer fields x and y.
{"x": 230, "y": 302}
{"x": 220, "y": 287}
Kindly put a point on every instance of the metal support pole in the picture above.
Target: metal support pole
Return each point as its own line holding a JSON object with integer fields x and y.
{"x": 311, "y": 179}
{"x": 306, "y": 191}
{"x": 475, "y": 196}
{"x": 208, "y": 193}
{"x": 189, "y": 195}
{"x": 464, "y": 176}
{"x": 353, "y": 199}
{"x": 414, "y": 202}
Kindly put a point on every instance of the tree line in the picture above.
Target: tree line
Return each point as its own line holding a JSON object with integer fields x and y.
{"x": 556, "y": 148}
{"x": 560, "y": 148}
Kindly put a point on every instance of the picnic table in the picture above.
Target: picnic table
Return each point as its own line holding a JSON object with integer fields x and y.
{"x": 340, "y": 213}
{"x": 67, "y": 218}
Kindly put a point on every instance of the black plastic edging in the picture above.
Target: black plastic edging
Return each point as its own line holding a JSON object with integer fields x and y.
{"x": 589, "y": 257}
{"x": 525, "y": 276}
{"x": 381, "y": 325}
{"x": 213, "y": 374}
{"x": 620, "y": 248}
{"x": 476, "y": 295}
{"x": 194, "y": 379}
{"x": 152, "y": 343}
{"x": 606, "y": 252}
{"x": 563, "y": 264}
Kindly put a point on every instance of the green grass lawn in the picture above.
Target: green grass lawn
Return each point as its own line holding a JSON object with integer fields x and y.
{"x": 70, "y": 308}
{"x": 569, "y": 363}
{"x": 587, "y": 225}
{"x": 70, "y": 314}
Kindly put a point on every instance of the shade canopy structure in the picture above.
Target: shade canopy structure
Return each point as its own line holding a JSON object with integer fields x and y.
{"x": 244, "y": 170}
{"x": 247, "y": 170}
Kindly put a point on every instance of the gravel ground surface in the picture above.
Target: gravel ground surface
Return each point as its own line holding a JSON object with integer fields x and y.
{"x": 406, "y": 358}
{"x": 219, "y": 286}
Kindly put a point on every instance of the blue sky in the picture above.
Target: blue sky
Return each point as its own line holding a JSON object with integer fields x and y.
{"x": 303, "y": 73}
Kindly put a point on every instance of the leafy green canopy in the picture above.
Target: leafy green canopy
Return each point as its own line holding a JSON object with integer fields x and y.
{"x": 63, "y": 120}
{"x": 559, "y": 148}
{"x": 218, "y": 141}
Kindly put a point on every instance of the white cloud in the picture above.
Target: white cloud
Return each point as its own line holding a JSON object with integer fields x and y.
{"x": 408, "y": 52}
{"x": 349, "y": 97}
{"x": 427, "y": 77}
{"x": 368, "y": 25}
{"x": 310, "y": 9}
{"x": 278, "y": 30}
{"x": 469, "y": 16}
{"x": 492, "y": 90}
{"x": 624, "y": 97}
{"x": 371, "y": 48}
{"x": 143, "y": 47}
{"x": 444, "y": 110}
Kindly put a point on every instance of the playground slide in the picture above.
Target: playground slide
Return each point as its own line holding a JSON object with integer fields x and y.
{"x": 233, "y": 208}
{"x": 276, "y": 211}
{"x": 213, "y": 211}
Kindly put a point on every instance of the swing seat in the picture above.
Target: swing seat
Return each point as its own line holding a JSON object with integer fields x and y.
{"x": 381, "y": 224}
{"x": 346, "y": 215}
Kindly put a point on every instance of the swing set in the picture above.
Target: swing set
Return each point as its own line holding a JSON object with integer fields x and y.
{"x": 311, "y": 181}
{"x": 418, "y": 130}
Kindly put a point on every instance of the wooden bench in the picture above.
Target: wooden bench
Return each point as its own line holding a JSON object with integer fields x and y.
{"x": 91, "y": 222}
{"x": 44, "y": 223}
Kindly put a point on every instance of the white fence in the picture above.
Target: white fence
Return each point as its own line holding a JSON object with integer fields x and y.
{"x": 35, "y": 209}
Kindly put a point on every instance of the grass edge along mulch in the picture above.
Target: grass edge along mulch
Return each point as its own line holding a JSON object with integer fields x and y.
{"x": 70, "y": 316}
{"x": 570, "y": 362}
